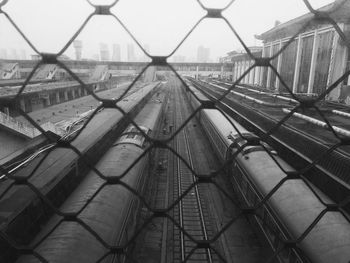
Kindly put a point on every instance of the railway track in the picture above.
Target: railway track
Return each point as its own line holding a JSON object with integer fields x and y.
{"x": 201, "y": 211}
{"x": 152, "y": 246}
{"x": 328, "y": 174}
{"x": 320, "y": 137}
{"x": 191, "y": 213}
{"x": 276, "y": 106}
{"x": 165, "y": 241}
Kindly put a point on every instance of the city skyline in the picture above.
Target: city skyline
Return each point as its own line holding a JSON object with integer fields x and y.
{"x": 203, "y": 54}
{"x": 116, "y": 52}
{"x": 144, "y": 26}
{"x": 104, "y": 52}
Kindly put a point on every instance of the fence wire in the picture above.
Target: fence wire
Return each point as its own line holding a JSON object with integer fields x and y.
{"x": 266, "y": 62}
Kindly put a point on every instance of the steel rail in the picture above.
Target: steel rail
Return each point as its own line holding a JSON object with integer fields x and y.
{"x": 262, "y": 92}
{"x": 199, "y": 203}
{"x": 176, "y": 146}
{"x": 337, "y": 112}
{"x": 319, "y": 123}
{"x": 179, "y": 183}
{"x": 341, "y": 113}
{"x": 163, "y": 257}
{"x": 197, "y": 196}
{"x": 309, "y": 136}
{"x": 282, "y": 143}
{"x": 244, "y": 96}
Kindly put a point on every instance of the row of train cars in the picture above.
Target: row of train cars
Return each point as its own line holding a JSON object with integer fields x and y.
{"x": 98, "y": 220}
{"x": 299, "y": 225}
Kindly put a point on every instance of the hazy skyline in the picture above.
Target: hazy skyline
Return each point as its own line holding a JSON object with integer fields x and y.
{"x": 161, "y": 24}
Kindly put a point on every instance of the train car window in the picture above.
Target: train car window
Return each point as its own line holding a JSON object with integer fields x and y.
{"x": 133, "y": 129}
{"x": 131, "y": 136}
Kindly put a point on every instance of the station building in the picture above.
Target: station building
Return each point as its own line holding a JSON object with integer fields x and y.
{"x": 9, "y": 70}
{"x": 43, "y": 90}
{"x": 316, "y": 57}
{"x": 237, "y": 62}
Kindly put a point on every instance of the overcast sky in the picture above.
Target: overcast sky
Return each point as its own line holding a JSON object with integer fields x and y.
{"x": 160, "y": 24}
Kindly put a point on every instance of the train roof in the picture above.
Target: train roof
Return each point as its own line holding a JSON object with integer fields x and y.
{"x": 149, "y": 115}
{"x": 133, "y": 136}
{"x": 223, "y": 125}
{"x": 197, "y": 92}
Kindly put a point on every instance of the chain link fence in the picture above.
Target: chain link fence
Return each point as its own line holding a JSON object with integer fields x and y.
{"x": 266, "y": 62}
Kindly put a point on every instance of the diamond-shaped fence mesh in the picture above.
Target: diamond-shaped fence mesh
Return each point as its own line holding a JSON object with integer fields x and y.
{"x": 285, "y": 246}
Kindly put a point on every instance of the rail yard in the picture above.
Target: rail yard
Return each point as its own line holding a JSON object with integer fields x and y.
{"x": 145, "y": 139}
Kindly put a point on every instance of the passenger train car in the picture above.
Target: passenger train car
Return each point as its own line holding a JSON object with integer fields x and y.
{"x": 285, "y": 215}
{"x": 109, "y": 210}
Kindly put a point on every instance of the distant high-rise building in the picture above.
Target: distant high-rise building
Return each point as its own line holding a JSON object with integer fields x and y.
{"x": 207, "y": 55}
{"x": 104, "y": 52}
{"x": 131, "y": 52}
{"x": 64, "y": 57}
{"x": 3, "y": 53}
{"x": 35, "y": 57}
{"x": 116, "y": 53}
{"x": 179, "y": 58}
{"x": 147, "y": 49}
{"x": 203, "y": 54}
{"x": 14, "y": 54}
{"x": 78, "y": 46}
{"x": 96, "y": 57}
{"x": 23, "y": 54}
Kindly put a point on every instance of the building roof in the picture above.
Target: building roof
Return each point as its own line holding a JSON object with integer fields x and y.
{"x": 338, "y": 10}
{"x": 233, "y": 56}
{"x": 46, "y": 72}
{"x": 11, "y": 92}
{"x": 7, "y": 67}
{"x": 8, "y": 70}
{"x": 99, "y": 73}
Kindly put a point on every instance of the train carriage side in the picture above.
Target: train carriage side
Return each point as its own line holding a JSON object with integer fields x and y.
{"x": 218, "y": 130}
{"x": 195, "y": 103}
{"x": 109, "y": 210}
{"x": 294, "y": 207}
{"x": 218, "y": 140}
{"x": 291, "y": 209}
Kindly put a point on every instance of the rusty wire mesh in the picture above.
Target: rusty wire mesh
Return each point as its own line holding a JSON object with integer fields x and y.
{"x": 208, "y": 178}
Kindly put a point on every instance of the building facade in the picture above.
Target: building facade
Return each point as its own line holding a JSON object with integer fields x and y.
{"x": 116, "y": 53}
{"x": 131, "y": 53}
{"x": 203, "y": 54}
{"x": 314, "y": 58}
{"x": 237, "y": 62}
{"x": 78, "y": 47}
{"x": 104, "y": 52}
